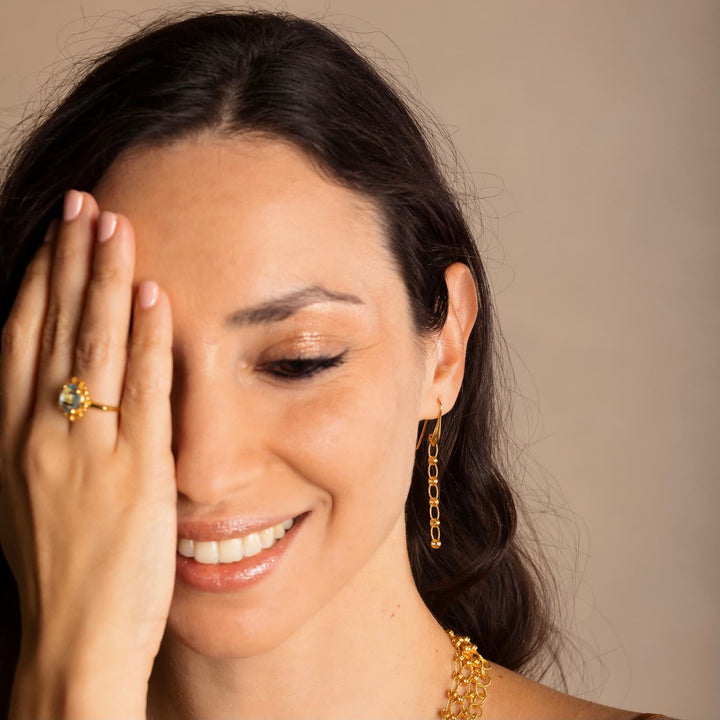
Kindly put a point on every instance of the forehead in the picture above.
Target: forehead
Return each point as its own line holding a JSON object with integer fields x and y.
{"x": 247, "y": 215}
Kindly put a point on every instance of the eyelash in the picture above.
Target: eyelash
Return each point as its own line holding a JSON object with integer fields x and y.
{"x": 301, "y": 368}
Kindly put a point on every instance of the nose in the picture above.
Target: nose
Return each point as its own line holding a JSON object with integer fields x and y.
{"x": 218, "y": 448}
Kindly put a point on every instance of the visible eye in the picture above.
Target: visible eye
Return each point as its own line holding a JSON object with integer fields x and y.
{"x": 301, "y": 368}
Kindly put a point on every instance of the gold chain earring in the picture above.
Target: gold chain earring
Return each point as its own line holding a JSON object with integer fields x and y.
{"x": 433, "y": 477}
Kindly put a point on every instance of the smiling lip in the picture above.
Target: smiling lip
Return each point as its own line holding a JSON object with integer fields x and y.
{"x": 226, "y": 577}
{"x": 226, "y": 528}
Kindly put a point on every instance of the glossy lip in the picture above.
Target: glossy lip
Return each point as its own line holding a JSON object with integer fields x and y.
{"x": 226, "y": 577}
{"x": 226, "y": 528}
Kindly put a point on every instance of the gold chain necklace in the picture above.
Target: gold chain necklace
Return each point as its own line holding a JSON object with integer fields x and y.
{"x": 470, "y": 681}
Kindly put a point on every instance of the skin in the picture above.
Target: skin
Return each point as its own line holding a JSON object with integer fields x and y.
{"x": 221, "y": 225}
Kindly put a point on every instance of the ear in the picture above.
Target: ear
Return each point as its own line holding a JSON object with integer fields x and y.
{"x": 446, "y": 351}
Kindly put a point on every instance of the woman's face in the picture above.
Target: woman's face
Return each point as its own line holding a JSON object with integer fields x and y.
{"x": 298, "y": 385}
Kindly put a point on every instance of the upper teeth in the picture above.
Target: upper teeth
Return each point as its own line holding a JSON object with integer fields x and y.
{"x": 212, "y": 552}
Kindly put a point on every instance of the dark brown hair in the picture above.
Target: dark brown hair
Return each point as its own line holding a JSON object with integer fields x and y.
{"x": 295, "y": 79}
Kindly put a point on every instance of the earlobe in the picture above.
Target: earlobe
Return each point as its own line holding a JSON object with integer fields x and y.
{"x": 450, "y": 345}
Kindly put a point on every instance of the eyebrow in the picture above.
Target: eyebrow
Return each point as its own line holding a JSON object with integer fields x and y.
{"x": 284, "y": 306}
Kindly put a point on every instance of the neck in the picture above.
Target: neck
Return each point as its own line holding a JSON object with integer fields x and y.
{"x": 374, "y": 651}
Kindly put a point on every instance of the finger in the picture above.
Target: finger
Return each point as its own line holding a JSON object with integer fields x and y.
{"x": 68, "y": 281}
{"x": 20, "y": 349}
{"x": 102, "y": 341}
{"x": 145, "y": 406}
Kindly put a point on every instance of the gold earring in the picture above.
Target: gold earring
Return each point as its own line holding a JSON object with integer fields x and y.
{"x": 433, "y": 478}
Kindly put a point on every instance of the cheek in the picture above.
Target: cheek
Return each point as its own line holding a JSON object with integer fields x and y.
{"x": 356, "y": 439}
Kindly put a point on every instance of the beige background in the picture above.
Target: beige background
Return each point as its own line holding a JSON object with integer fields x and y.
{"x": 591, "y": 128}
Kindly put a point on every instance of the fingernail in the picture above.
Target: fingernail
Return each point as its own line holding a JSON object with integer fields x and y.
{"x": 148, "y": 292}
{"x": 73, "y": 205}
{"x": 106, "y": 225}
{"x": 50, "y": 234}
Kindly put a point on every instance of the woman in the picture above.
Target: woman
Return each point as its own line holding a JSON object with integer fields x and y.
{"x": 219, "y": 494}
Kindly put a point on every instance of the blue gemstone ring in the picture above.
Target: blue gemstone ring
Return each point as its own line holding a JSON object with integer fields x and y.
{"x": 74, "y": 400}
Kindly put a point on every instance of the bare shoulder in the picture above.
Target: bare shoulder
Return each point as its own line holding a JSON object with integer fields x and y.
{"x": 512, "y": 696}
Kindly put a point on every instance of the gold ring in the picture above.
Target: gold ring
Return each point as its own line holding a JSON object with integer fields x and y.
{"x": 74, "y": 400}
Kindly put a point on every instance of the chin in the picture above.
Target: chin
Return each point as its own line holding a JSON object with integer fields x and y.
{"x": 216, "y": 628}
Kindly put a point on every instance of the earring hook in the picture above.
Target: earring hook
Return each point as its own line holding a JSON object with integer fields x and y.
{"x": 435, "y": 434}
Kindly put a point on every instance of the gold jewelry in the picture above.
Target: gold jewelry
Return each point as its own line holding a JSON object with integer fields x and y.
{"x": 74, "y": 400}
{"x": 470, "y": 681}
{"x": 433, "y": 488}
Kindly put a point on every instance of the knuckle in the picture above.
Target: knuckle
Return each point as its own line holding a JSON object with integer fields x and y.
{"x": 92, "y": 349}
{"x": 39, "y": 459}
{"x": 140, "y": 390}
{"x": 57, "y": 330}
{"x": 150, "y": 341}
{"x": 68, "y": 248}
{"x": 105, "y": 274}
{"x": 37, "y": 270}
{"x": 15, "y": 338}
